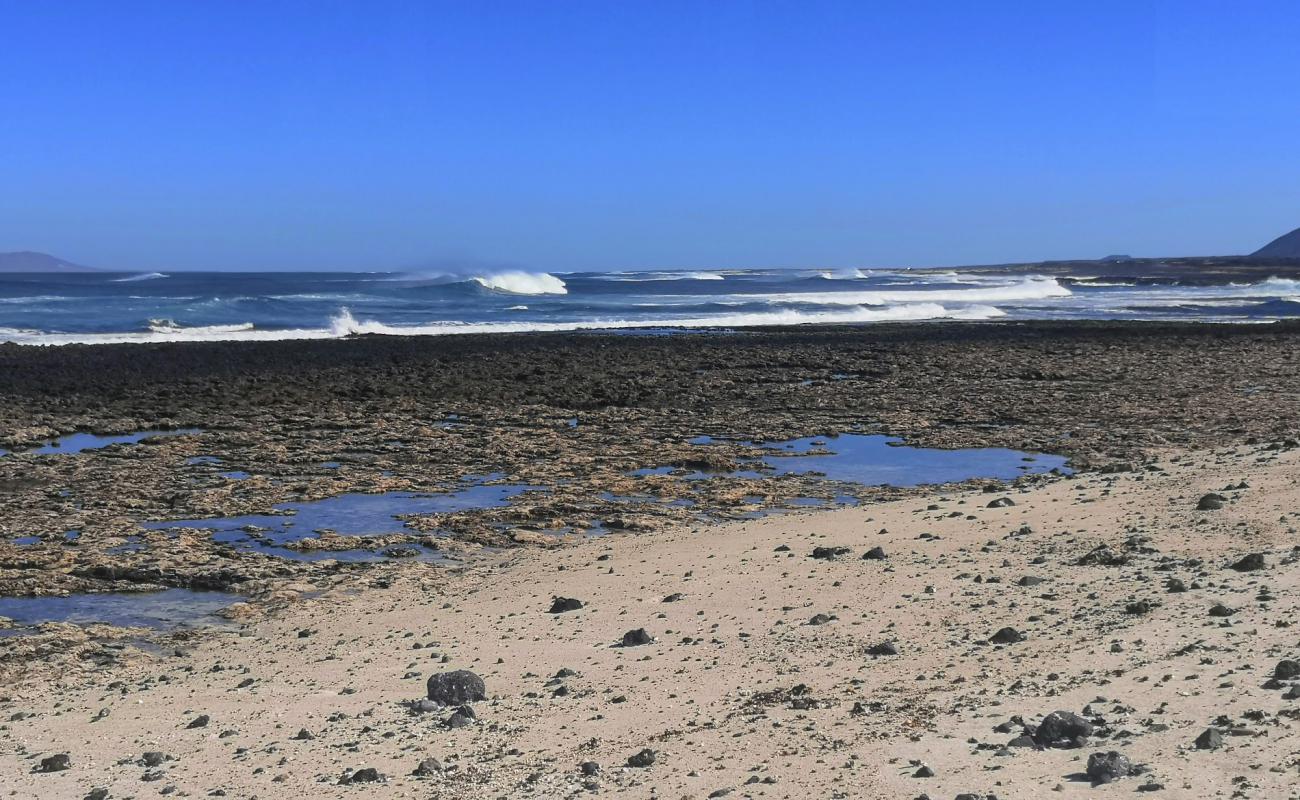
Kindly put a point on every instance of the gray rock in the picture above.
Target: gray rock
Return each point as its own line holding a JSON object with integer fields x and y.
{"x": 1210, "y": 739}
{"x": 1006, "y": 636}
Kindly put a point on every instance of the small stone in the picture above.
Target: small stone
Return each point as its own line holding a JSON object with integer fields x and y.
{"x": 201, "y": 721}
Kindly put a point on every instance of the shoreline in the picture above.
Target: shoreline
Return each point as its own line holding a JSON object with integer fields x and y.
{"x": 717, "y": 694}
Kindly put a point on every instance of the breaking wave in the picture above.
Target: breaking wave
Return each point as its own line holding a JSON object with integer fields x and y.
{"x": 145, "y": 276}
{"x": 1028, "y": 289}
{"x": 518, "y": 282}
{"x": 169, "y": 326}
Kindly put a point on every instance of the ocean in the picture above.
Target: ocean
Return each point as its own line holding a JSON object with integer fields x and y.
{"x": 206, "y": 306}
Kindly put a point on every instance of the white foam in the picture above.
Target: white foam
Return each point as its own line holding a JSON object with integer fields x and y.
{"x": 169, "y": 327}
{"x": 1036, "y": 288}
{"x": 146, "y": 276}
{"x": 345, "y": 324}
{"x": 842, "y": 275}
{"x": 518, "y": 282}
{"x": 643, "y": 277}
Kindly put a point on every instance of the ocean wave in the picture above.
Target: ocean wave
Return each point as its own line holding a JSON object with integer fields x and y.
{"x": 842, "y": 275}
{"x": 669, "y": 275}
{"x": 1036, "y": 288}
{"x": 345, "y": 324}
{"x": 171, "y": 327}
{"x": 518, "y": 282}
{"x": 144, "y": 276}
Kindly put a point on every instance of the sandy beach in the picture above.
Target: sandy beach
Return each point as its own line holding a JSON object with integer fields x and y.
{"x": 759, "y": 680}
{"x": 691, "y": 630}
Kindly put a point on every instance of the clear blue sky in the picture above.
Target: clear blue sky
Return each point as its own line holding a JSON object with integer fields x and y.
{"x": 575, "y": 135}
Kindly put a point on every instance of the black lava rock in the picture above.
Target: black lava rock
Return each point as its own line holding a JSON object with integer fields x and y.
{"x": 1210, "y": 739}
{"x": 829, "y": 553}
{"x": 1062, "y": 729}
{"x": 456, "y": 688}
{"x": 644, "y": 758}
{"x": 563, "y": 604}
{"x": 637, "y": 637}
{"x": 882, "y": 649}
{"x": 1006, "y": 636}
{"x": 55, "y": 763}
{"x": 1210, "y": 502}
{"x": 875, "y": 554}
{"x": 427, "y": 767}
{"x": 1286, "y": 669}
{"x": 1249, "y": 563}
{"x": 1108, "y": 767}
{"x": 1001, "y": 502}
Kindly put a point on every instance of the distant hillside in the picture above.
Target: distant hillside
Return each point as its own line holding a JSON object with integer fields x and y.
{"x": 1285, "y": 246}
{"x": 38, "y": 262}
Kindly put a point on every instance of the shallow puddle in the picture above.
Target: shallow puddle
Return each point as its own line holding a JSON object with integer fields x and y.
{"x": 169, "y": 608}
{"x": 79, "y": 442}
{"x": 348, "y": 515}
{"x": 885, "y": 461}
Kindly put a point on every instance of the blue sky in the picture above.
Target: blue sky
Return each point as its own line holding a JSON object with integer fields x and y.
{"x": 588, "y": 135}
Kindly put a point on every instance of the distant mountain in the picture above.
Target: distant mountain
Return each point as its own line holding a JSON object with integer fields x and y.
{"x": 1284, "y": 246}
{"x": 27, "y": 261}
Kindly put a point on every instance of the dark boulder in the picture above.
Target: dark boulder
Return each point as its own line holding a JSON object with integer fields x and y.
{"x": 875, "y": 554}
{"x": 55, "y": 763}
{"x": 635, "y": 638}
{"x": 1210, "y": 739}
{"x": 829, "y": 553}
{"x": 563, "y": 604}
{"x": 456, "y": 688}
{"x": 1108, "y": 767}
{"x": 1006, "y": 636}
{"x": 1210, "y": 502}
{"x": 1286, "y": 669}
{"x": 1062, "y": 729}
{"x": 1249, "y": 563}
{"x": 644, "y": 758}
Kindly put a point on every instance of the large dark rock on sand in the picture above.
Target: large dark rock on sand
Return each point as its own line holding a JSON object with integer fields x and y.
{"x": 1249, "y": 563}
{"x": 874, "y": 554}
{"x": 55, "y": 763}
{"x": 1062, "y": 729}
{"x": 456, "y": 688}
{"x": 1210, "y": 502}
{"x": 637, "y": 637}
{"x": 1210, "y": 739}
{"x": 1286, "y": 669}
{"x": 1108, "y": 767}
{"x": 1006, "y": 636}
{"x": 563, "y": 604}
{"x": 829, "y": 553}
{"x": 644, "y": 758}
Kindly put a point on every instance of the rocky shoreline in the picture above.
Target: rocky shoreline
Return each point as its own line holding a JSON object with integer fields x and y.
{"x": 596, "y": 433}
